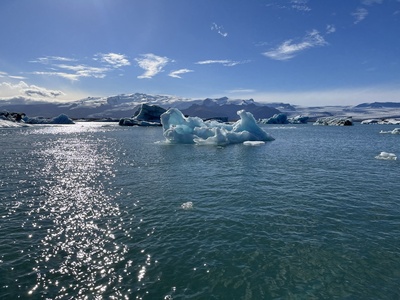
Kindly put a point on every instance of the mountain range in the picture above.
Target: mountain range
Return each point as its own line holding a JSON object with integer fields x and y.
{"x": 125, "y": 105}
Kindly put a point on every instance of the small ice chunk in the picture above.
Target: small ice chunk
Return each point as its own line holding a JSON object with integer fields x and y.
{"x": 253, "y": 143}
{"x": 187, "y": 205}
{"x": 386, "y": 156}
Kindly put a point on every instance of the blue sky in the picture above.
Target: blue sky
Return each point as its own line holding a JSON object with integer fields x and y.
{"x": 305, "y": 52}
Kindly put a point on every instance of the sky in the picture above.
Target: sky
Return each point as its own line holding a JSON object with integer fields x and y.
{"x": 303, "y": 52}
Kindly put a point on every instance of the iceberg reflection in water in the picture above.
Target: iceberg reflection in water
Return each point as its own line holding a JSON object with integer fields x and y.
{"x": 192, "y": 130}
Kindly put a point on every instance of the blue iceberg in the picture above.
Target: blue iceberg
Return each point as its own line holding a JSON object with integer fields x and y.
{"x": 179, "y": 129}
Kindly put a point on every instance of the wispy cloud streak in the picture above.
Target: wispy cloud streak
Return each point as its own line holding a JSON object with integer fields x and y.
{"x": 6, "y": 75}
{"x": 219, "y": 29}
{"x": 300, "y": 5}
{"x": 177, "y": 73}
{"x": 288, "y": 49}
{"x": 224, "y": 62}
{"x": 359, "y": 15}
{"x": 69, "y": 68}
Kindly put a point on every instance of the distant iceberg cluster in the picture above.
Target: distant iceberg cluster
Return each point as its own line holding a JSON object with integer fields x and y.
{"x": 382, "y": 121}
{"x": 386, "y": 156}
{"x": 8, "y": 120}
{"x": 179, "y": 129}
{"x": 283, "y": 119}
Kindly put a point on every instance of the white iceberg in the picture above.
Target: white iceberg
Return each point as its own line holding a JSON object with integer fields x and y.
{"x": 334, "y": 121}
{"x": 386, "y": 156}
{"x": 11, "y": 124}
{"x": 179, "y": 129}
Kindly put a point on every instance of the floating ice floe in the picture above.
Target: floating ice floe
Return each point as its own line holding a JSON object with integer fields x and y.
{"x": 386, "y": 156}
{"x": 394, "y": 131}
{"x": 253, "y": 143}
{"x": 179, "y": 129}
{"x": 11, "y": 124}
{"x": 187, "y": 205}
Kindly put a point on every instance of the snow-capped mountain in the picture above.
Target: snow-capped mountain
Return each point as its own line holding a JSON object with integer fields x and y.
{"x": 125, "y": 105}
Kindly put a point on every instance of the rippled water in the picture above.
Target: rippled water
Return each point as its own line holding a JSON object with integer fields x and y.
{"x": 96, "y": 211}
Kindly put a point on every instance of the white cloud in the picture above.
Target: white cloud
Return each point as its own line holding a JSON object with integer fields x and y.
{"x": 224, "y": 62}
{"x": 330, "y": 29}
{"x": 78, "y": 72}
{"x": 113, "y": 59}
{"x": 177, "y": 73}
{"x": 359, "y": 15}
{"x": 23, "y": 89}
{"x": 85, "y": 71}
{"x": 69, "y": 76}
{"x": 219, "y": 29}
{"x": 288, "y": 49}
{"x": 152, "y": 64}
{"x": 65, "y": 67}
{"x": 300, "y": 5}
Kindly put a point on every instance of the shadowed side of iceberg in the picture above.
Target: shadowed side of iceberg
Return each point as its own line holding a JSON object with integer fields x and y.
{"x": 179, "y": 129}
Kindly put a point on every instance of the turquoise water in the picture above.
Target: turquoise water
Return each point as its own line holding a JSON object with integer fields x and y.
{"x": 95, "y": 211}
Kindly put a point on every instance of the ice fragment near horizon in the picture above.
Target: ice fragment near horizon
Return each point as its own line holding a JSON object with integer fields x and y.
{"x": 179, "y": 129}
{"x": 386, "y": 156}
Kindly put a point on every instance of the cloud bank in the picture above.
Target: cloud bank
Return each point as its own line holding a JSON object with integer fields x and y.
{"x": 8, "y": 90}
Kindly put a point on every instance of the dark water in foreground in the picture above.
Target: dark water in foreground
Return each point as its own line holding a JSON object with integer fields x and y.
{"x": 93, "y": 212}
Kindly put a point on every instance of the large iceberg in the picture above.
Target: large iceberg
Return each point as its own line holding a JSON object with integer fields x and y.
{"x": 147, "y": 115}
{"x": 334, "y": 121}
{"x": 179, "y": 129}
